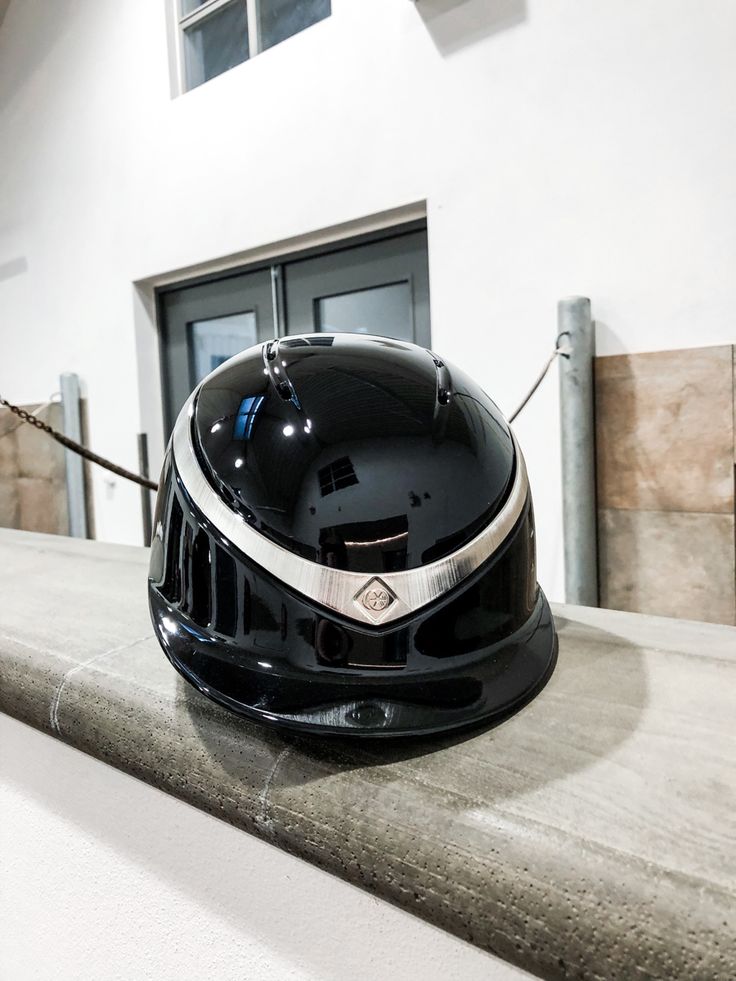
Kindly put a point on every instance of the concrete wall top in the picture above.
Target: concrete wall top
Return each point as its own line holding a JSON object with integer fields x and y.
{"x": 588, "y": 836}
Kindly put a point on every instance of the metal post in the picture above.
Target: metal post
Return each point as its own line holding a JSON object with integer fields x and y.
{"x": 145, "y": 493}
{"x": 577, "y": 336}
{"x": 277, "y": 306}
{"x": 76, "y": 495}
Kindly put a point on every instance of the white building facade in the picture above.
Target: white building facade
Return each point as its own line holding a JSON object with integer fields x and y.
{"x": 552, "y": 147}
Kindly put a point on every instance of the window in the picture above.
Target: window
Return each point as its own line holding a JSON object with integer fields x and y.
{"x": 336, "y": 475}
{"x": 215, "y": 35}
{"x": 358, "y": 312}
{"x": 218, "y": 338}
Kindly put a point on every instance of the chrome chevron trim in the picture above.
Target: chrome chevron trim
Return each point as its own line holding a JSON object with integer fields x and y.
{"x": 334, "y": 588}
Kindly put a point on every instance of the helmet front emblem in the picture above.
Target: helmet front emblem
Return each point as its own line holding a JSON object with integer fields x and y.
{"x": 374, "y": 599}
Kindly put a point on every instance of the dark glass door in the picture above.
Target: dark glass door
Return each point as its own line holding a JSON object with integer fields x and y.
{"x": 204, "y": 325}
{"x": 379, "y": 288}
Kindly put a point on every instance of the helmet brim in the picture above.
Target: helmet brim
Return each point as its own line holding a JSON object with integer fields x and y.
{"x": 465, "y": 693}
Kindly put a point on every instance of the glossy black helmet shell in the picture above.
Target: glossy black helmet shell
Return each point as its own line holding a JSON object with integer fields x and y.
{"x": 344, "y": 542}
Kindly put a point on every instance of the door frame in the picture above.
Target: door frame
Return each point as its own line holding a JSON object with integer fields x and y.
{"x": 276, "y": 267}
{"x": 146, "y": 290}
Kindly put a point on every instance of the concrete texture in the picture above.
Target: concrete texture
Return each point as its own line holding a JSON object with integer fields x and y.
{"x": 589, "y": 836}
{"x": 680, "y": 564}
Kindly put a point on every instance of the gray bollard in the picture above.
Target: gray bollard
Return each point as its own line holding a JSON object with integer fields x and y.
{"x": 75, "y": 489}
{"x": 146, "y": 518}
{"x": 577, "y": 431}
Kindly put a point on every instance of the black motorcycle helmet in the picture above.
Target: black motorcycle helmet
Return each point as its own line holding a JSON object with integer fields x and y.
{"x": 344, "y": 542}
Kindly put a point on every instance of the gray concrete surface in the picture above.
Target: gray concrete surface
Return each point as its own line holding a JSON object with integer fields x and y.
{"x": 590, "y": 836}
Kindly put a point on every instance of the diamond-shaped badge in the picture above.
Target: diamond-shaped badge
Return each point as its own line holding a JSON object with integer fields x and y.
{"x": 374, "y": 599}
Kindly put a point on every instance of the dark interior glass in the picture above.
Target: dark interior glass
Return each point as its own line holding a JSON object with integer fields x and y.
{"x": 216, "y": 43}
{"x": 279, "y": 19}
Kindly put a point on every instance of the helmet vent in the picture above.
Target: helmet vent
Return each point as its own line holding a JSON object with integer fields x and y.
{"x": 246, "y": 607}
{"x": 200, "y": 579}
{"x": 171, "y": 588}
{"x": 225, "y": 580}
{"x": 444, "y": 379}
{"x": 186, "y": 556}
{"x": 277, "y": 373}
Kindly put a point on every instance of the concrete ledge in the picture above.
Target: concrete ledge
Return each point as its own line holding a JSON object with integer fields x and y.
{"x": 590, "y": 836}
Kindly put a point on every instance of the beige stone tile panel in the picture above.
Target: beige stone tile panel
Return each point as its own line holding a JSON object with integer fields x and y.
{"x": 665, "y": 430}
{"x": 8, "y": 453}
{"x": 8, "y": 421}
{"x": 9, "y": 506}
{"x": 668, "y": 563}
{"x": 38, "y": 454}
{"x": 42, "y": 506}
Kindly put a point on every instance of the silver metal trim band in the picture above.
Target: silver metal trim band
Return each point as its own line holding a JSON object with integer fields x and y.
{"x": 392, "y": 594}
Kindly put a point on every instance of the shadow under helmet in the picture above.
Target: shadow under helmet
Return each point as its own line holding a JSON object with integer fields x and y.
{"x": 344, "y": 542}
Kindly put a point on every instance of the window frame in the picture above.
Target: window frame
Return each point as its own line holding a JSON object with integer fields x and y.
{"x": 182, "y": 22}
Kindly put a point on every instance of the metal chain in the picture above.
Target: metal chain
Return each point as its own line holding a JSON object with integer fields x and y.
{"x": 558, "y": 352}
{"x": 71, "y": 444}
{"x": 38, "y": 411}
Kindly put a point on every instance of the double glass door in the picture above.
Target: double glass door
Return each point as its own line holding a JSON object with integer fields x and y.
{"x": 379, "y": 287}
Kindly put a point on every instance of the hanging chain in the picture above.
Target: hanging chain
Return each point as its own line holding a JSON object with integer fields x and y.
{"x": 558, "y": 352}
{"x": 71, "y": 444}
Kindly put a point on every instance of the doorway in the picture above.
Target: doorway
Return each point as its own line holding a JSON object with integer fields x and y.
{"x": 368, "y": 286}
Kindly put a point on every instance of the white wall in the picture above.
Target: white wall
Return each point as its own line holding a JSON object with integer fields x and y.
{"x": 561, "y": 147}
{"x": 104, "y": 877}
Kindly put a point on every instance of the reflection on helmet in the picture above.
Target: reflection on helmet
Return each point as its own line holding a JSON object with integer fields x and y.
{"x": 344, "y": 542}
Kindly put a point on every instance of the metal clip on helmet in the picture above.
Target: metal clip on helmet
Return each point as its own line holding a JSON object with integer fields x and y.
{"x": 344, "y": 543}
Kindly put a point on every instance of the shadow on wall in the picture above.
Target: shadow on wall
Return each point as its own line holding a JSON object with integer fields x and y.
{"x": 607, "y": 341}
{"x": 12, "y": 268}
{"x": 457, "y": 24}
{"x": 32, "y": 37}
